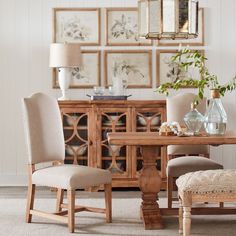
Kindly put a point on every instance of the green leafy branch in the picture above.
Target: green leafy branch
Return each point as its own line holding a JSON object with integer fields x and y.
{"x": 187, "y": 58}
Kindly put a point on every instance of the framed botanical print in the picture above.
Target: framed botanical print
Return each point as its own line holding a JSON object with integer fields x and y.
{"x": 122, "y": 27}
{"x": 76, "y": 25}
{"x": 88, "y": 75}
{"x": 133, "y": 67}
{"x": 199, "y": 41}
{"x": 168, "y": 71}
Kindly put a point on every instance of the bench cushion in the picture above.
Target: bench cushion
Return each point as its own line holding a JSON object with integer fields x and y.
{"x": 182, "y": 165}
{"x": 208, "y": 181}
{"x": 71, "y": 176}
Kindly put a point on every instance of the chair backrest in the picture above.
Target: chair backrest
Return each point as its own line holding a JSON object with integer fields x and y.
{"x": 176, "y": 107}
{"x": 43, "y": 129}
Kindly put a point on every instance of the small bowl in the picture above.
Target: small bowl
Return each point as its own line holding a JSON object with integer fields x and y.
{"x": 78, "y": 150}
{"x": 98, "y": 90}
{"x": 155, "y": 120}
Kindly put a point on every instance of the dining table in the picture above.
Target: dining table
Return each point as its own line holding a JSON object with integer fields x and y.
{"x": 150, "y": 180}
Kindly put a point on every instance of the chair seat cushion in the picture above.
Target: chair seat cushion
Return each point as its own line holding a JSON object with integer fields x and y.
{"x": 182, "y": 165}
{"x": 71, "y": 176}
{"x": 208, "y": 181}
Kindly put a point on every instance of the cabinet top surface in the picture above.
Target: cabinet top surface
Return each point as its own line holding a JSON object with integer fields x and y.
{"x": 112, "y": 102}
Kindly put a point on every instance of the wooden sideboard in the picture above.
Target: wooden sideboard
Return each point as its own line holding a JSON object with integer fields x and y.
{"x": 86, "y": 124}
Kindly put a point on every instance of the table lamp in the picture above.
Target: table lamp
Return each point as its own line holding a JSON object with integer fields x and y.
{"x": 64, "y": 57}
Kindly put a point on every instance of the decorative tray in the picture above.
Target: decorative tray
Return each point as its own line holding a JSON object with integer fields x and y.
{"x": 108, "y": 97}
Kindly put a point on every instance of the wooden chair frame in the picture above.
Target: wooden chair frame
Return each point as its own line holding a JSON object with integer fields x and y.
{"x": 171, "y": 180}
{"x": 71, "y": 208}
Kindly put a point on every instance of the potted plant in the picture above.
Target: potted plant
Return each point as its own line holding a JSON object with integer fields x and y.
{"x": 215, "y": 117}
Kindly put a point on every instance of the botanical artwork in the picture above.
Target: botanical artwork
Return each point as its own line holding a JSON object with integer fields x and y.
{"x": 88, "y": 75}
{"x": 122, "y": 27}
{"x": 169, "y": 71}
{"x": 134, "y": 68}
{"x": 77, "y": 26}
{"x": 199, "y": 41}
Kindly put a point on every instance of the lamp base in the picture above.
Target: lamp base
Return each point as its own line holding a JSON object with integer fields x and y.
{"x": 64, "y": 77}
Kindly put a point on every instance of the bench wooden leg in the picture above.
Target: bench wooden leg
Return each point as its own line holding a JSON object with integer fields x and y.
{"x": 186, "y": 220}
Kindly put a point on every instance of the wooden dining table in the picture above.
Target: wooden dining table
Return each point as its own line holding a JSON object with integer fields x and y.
{"x": 150, "y": 179}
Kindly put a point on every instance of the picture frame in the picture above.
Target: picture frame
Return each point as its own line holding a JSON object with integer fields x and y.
{"x": 199, "y": 41}
{"x": 88, "y": 76}
{"x": 167, "y": 72}
{"x": 134, "y": 67}
{"x": 76, "y": 25}
{"x": 122, "y": 27}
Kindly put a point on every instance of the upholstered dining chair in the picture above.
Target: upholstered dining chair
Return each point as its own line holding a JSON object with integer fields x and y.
{"x": 185, "y": 158}
{"x": 213, "y": 186}
{"x": 45, "y": 143}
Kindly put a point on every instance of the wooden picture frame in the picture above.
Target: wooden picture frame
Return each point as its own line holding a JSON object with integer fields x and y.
{"x": 122, "y": 27}
{"x": 77, "y": 25}
{"x": 88, "y": 76}
{"x": 133, "y": 65}
{"x": 164, "y": 69}
{"x": 199, "y": 41}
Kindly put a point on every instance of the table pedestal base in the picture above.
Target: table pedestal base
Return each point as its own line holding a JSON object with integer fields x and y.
{"x": 150, "y": 184}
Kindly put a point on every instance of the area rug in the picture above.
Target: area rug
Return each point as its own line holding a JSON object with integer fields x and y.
{"x": 126, "y": 221}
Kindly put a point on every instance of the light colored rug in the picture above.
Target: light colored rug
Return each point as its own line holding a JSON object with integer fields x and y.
{"x": 126, "y": 221}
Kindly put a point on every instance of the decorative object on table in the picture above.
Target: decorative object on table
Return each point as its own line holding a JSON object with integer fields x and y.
{"x": 198, "y": 41}
{"x": 88, "y": 75}
{"x": 134, "y": 68}
{"x": 215, "y": 117}
{"x": 76, "y": 25}
{"x": 168, "y": 19}
{"x": 194, "y": 120}
{"x": 170, "y": 128}
{"x": 64, "y": 56}
{"x": 122, "y": 27}
{"x": 186, "y": 58}
{"x": 170, "y": 71}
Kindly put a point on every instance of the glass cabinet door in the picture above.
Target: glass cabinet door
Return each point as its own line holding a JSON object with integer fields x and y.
{"x": 112, "y": 157}
{"x": 148, "y": 120}
{"x": 75, "y": 125}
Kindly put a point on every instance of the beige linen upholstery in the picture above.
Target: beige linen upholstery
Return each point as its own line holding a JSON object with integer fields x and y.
{"x": 45, "y": 142}
{"x": 204, "y": 186}
{"x": 179, "y": 166}
{"x": 187, "y": 156}
{"x": 43, "y": 128}
{"x": 71, "y": 177}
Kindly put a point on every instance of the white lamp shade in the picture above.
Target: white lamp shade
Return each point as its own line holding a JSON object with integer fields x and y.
{"x": 65, "y": 55}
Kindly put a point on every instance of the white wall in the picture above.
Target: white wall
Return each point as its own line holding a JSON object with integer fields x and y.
{"x": 25, "y": 36}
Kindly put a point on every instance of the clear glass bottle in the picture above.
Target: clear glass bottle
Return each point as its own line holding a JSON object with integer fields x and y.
{"x": 194, "y": 120}
{"x": 215, "y": 117}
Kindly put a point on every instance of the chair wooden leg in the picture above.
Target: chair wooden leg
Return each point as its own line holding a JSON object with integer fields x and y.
{"x": 186, "y": 221}
{"x": 30, "y": 202}
{"x": 60, "y": 194}
{"x": 71, "y": 210}
{"x": 108, "y": 202}
{"x": 180, "y": 217}
{"x": 169, "y": 191}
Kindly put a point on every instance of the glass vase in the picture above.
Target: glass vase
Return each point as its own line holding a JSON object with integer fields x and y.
{"x": 215, "y": 117}
{"x": 194, "y": 120}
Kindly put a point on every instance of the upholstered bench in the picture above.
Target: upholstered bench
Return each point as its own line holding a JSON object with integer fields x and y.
{"x": 185, "y": 164}
{"x": 203, "y": 186}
